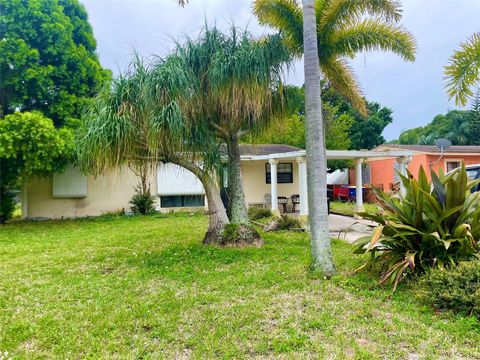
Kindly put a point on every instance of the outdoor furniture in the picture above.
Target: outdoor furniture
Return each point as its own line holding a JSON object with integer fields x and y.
{"x": 343, "y": 193}
{"x": 283, "y": 200}
{"x": 268, "y": 200}
{"x": 295, "y": 201}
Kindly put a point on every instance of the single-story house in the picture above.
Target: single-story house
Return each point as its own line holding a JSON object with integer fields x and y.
{"x": 268, "y": 172}
{"x": 382, "y": 172}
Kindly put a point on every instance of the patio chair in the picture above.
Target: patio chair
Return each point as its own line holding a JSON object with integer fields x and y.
{"x": 343, "y": 193}
{"x": 295, "y": 201}
{"x": 268, "y": 201}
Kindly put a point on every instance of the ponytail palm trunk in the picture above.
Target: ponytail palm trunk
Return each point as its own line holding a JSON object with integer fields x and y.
{"x": 218, "y": 218}
{"x": 316, "y": 156}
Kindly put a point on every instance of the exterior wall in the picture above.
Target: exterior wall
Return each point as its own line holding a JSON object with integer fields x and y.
{"x": 382, "y": 171}
{"x": 255, "y": 185}
{"x": 108, "y": 193}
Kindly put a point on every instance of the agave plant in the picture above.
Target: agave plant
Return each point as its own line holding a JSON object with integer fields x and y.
{"x": 435, "y": 225}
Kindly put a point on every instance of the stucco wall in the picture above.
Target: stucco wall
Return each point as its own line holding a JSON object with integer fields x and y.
{"x": 255, "y": 185}
{"x": 108, "y": 193}
{"x": 382, "y": 171}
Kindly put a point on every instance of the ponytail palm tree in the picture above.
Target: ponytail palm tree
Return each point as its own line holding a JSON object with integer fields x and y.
{"x": 344, "y": 28}
{"x": 137, "y": 121}
{"x": 234, "y": 89}
{"x": 462, "y": 75}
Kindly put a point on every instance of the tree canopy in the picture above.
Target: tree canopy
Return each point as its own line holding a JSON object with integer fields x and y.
{"x": 344, "y": 28}
{"x": 48, "y": 60}
{"x": 461, "y": 127}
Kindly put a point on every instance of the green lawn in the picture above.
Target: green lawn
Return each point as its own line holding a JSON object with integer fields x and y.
{"x": 144, "y": 287}
{"x": 346, "y": 208}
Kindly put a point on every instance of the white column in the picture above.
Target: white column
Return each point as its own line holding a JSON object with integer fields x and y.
{"x": 358, "y": 184}
{"x": 402, "y": 169}
{"x": 273, "y": 184}
{"x": 302, "y": 179}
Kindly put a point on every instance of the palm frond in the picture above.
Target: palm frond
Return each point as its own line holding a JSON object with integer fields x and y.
{"x": 462, "y": 74}
{"x": 285, "y": 16}
{"x": 337, "y": 12}
{"x": 342, "y": 77}
{"x": 371, "y": 35}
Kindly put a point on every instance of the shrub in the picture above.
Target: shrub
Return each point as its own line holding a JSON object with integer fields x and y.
{"x": 286, "y": 222}
{"x": 142, "y": 202}
{"x": 7, "y": 204}
{"x": 257, "y": 213}
{"x": 432, "y": 226}
{"x": 457, "y": 289}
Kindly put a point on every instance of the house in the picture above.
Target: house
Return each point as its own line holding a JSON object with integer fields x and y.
{"x": 382, "y": 172}
{"x": 268, "y": 172}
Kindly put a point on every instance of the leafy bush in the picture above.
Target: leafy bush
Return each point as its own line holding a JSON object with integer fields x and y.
{"x": 286, "y": 222}
{"x": 142, "y": 202}
{"x": 257, "y": 213}
{"x": 457, "y": 288}
{"x": 7, "y": 204}
{"x": 432, "y": 226}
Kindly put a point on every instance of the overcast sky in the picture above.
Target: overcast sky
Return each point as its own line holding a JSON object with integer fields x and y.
{"x": 412, "y": 90}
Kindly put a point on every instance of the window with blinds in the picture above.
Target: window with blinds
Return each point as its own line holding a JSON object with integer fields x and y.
{"x": 284, "y": 173}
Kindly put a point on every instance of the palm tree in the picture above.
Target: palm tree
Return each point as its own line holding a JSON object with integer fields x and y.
{"x": 235, "y": 86}
{"x": 130, "y": 123}
{"x": 462, "y": 74}
{"x": 327, "y": 32}
{"x": 344, "y": 28}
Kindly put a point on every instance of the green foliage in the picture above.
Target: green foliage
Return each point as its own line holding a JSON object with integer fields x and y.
{"x": 460, "y": 126}
{"x": 365, "y": 132}
{"x": 257, "y": 213}
{"x": 344, "y": 28}
{"x": 286, "y": 222}
{"x": 433, "y": 226}
{"x": 7, "y": 204}
{"x": 142, "y": 202}
{"x": 48, "y": 60}
{"x": 32, "y": 146}
{"x": 462, "y": 74}
{"x": 457, "y": 288}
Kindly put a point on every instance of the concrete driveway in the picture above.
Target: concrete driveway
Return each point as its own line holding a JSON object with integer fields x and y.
{"x": 349, "y": 229}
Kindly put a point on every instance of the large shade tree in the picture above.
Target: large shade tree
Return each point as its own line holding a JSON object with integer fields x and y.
{"x": 326, "y": 33}
{"x": 47, "y": 58}
{"x": 235, "y": 87}
{"x": 137, "y": 121}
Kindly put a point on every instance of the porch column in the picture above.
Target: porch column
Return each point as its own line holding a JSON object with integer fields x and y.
{"x": 273, "y": 185}
{"x": 402, "y": 169}
{"x": 302, "y": 180}
{"x": 358, "y": 184}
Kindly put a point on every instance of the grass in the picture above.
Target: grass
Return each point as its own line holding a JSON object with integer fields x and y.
{"x": 144, "y": 287}
{"x": 346, "y": 208}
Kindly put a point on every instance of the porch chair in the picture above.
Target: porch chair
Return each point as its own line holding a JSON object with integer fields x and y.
{"x": 343, "y": 193}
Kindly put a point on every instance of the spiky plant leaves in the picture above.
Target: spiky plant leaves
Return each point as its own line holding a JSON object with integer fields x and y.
{"x": 434, "y": 225}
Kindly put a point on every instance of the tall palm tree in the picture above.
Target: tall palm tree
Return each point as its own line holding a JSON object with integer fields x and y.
{"x": 326, "y": 32}
{"x": 235, "y": 86}
{"x": 462, "y": 74}
{"x": 137, "y": 121}
{"x": 344, "y": 28}
{"x": 315, "y": 141}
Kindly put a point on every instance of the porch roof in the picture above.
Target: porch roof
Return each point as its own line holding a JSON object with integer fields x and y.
{"x": 332, "y": 155}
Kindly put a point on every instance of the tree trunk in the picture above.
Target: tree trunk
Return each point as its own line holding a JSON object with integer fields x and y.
{"x": 316, "y": 156}
{"x": 238, "y": 210}
{"x": 218, "y": 219}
